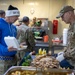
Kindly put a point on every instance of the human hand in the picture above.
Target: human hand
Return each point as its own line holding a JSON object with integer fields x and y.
{"x": 60, "y": 53}
{"x": 60, "y": 56}
{"x": 23, "y": 43}
{"x": 32, "y": 53}
{"x": 12, "y": 49}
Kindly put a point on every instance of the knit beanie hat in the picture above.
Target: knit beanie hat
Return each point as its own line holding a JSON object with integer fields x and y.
{"x": 12, "y": 11}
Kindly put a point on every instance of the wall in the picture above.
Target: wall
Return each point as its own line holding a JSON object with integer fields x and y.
{"x": 70, "y": 2}
{"x": 42, "y": 9}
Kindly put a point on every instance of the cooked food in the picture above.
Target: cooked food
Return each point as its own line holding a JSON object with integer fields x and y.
{"x": 44, "y": 65}
{"x": 29, "y": 72}
{"x": 44, "y": 61}
{"x": 23, "y": 73}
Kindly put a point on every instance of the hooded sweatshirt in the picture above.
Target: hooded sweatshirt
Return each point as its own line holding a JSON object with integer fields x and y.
{"x": 6, "y": 29}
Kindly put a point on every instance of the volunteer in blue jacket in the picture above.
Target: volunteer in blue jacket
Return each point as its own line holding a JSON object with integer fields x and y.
{"x": 7, "y": 54}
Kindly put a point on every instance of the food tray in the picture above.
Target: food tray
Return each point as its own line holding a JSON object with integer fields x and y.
{"x": 22, "y": 68}
{"x": 23, "y": 48}
{"x": 38, "y": 71}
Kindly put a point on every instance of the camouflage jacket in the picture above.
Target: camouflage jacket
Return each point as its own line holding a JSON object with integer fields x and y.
{"x": 69, "y": 52}
{"x": 25, "y": 34}
{"x": 21, "y": 32}
{"x": 29, "y": 38}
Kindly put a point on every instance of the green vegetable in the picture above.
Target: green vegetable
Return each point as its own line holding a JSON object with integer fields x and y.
{"x": 27, "y": 61}
{"x": 28, "y": 57}
{"x": 25, "y": 64}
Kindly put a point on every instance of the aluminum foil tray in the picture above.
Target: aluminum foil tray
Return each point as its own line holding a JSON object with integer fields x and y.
{"x": 38, "y": 71}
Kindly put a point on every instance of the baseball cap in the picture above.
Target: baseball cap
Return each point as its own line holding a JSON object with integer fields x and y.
{"x": 2, "y": 12}
{"x": 64, "y": 10}
{"x": 25, "y": 19}
{"x": 38, "y": 23}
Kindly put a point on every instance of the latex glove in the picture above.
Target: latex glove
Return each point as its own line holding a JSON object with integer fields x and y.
{"x": 60, "y": 56}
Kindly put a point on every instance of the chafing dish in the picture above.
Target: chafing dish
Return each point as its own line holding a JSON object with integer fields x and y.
{"x": 29, "y": 70}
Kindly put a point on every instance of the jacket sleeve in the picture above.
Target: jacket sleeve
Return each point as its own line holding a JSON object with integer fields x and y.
{"x": 3, "y": 48}
{"x": 69, "y": 52}
{"x": 4, "y": 51}
{"x": 20, "y": 35}
{"x": 30, "y": 37}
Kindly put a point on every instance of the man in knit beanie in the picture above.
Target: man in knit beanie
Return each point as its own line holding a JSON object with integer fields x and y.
{"x": 7, "y": 54}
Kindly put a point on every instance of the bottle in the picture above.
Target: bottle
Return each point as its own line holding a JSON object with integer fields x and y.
{"x": 65, "y": 31}
{"x": 46, "y": 38}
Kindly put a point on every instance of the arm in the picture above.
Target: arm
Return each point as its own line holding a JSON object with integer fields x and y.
{"x": 60, "y": 56}
{"x": 4, "y": 51}
{"x": 69, "y": 52}
{"x": 20, "y": 35}
{"x": 30, "y": 37}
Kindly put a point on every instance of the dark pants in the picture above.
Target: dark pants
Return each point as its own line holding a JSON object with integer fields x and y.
{"x": 65, "y": 64}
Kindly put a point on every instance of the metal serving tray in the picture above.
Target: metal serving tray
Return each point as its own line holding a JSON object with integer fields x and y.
{"x": 38, "y": 70}
{"x": 21, "y": 68}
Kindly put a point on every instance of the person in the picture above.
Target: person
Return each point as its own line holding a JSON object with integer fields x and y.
{"x": 33, "y": 22}
{"x": 38, "y": 30}
{"x": 2, "y": 14}
{"x": 23, "y": 27}
{"x": 68, "y": 56}
{"x": 7, "y": 54}
{"x": 19, "y": 22}
{"x": 25, "y": 36}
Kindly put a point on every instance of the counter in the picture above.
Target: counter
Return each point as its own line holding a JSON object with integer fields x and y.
{"x": 41, "y": 44}
{"x": 56, "y": 47}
